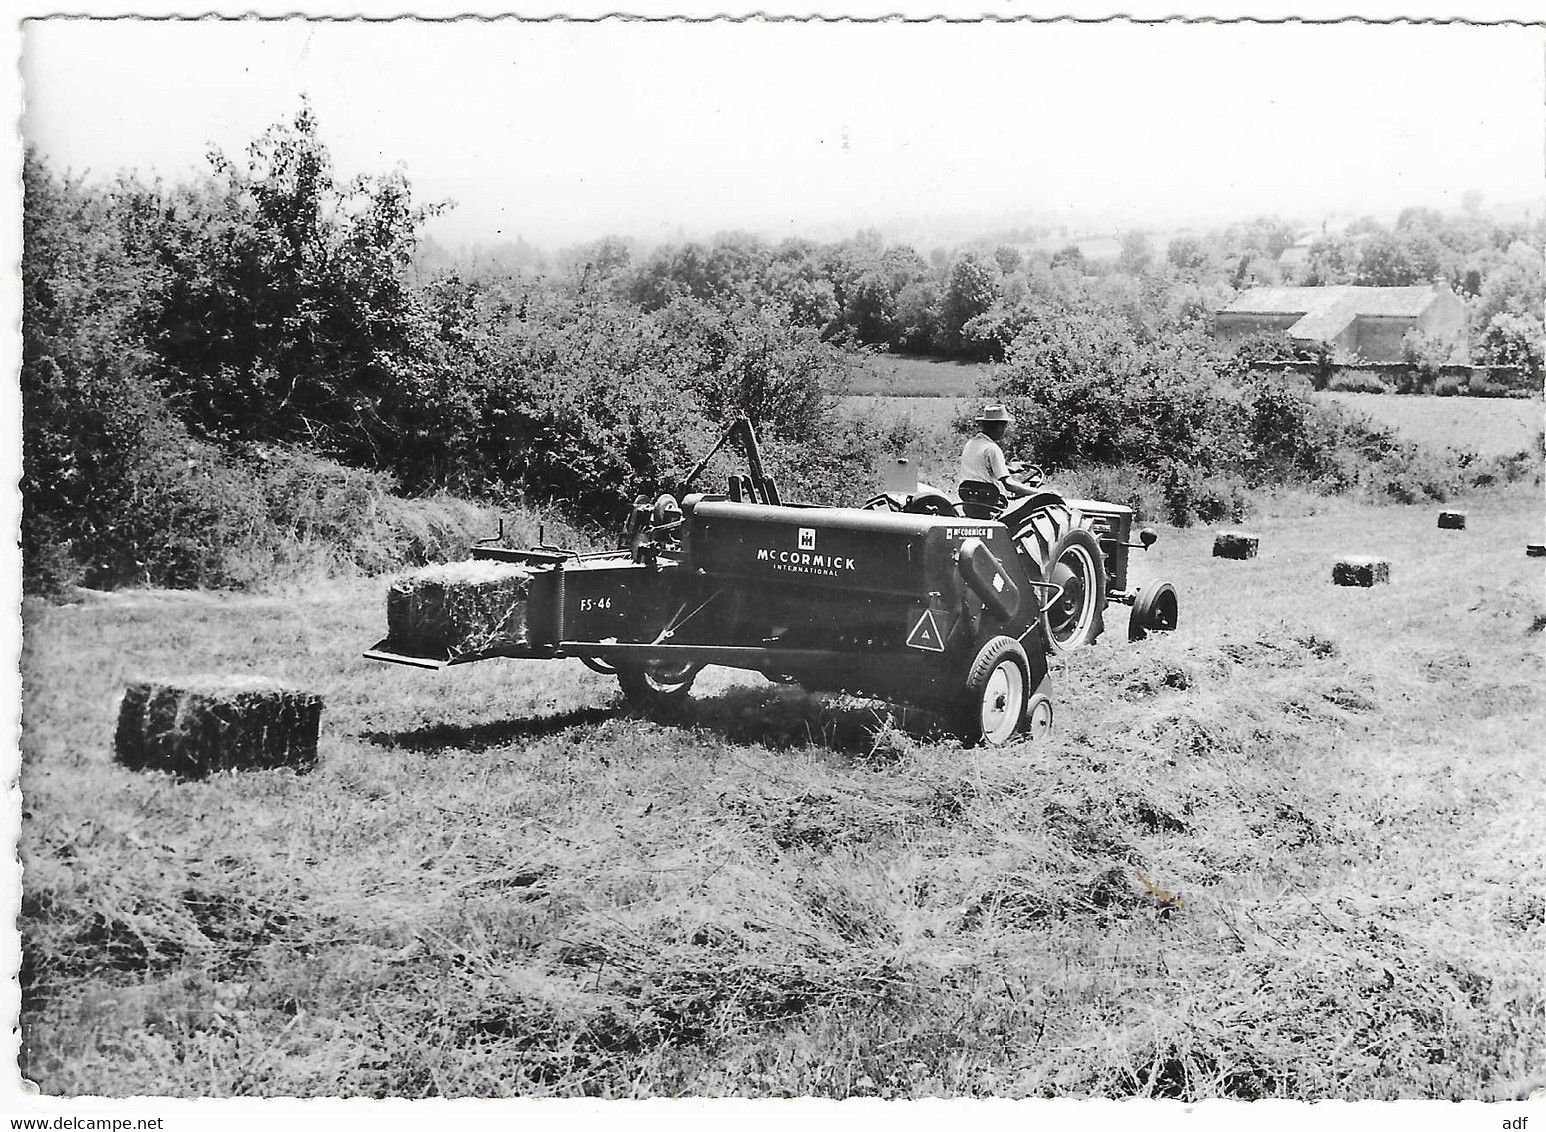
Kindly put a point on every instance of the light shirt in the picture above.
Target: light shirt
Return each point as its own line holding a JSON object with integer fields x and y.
{"x": 983, "y": 461}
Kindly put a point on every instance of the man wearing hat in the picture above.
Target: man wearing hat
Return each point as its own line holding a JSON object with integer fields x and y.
{"x": 982, "y": 460}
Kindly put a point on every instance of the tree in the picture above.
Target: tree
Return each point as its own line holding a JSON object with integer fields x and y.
{"x": 1506, "y": 320}
{"x": 1332, "y": 260}
{"x": 871, "y": 309}
{"x": 1070, "y": 256}
{"x": 285, "y": 311}
{"x": 970, "y": 290}
{"x": 1137, "y": 253}
{"x": 1186, "y": 253}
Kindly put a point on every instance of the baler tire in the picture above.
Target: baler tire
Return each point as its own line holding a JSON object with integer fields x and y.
{"x": 1155, "y": 610}
{"x": 996, "y": 690}
{"x": 1090, "y": 622}
{"x": 649, "y": 687}
{"x": 1038, "y": 717}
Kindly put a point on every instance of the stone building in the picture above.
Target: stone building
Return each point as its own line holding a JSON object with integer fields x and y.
{"x": 1366, "y": 322}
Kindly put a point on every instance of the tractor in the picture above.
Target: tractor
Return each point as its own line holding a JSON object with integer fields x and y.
{"x": 915, "y": 597}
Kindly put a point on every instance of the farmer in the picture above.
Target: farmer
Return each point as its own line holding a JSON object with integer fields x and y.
{"x": 985, "y": 474}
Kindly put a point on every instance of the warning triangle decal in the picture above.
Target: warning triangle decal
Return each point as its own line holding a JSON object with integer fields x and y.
{"x": 926, "y": 634}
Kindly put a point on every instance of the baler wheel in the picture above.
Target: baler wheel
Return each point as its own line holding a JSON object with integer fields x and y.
{"x": 1077, "y": 616}
{"x": 656, "y": 685}
{"x": 1154, "y": 611}
{"x": 600, "y": 666}
{"x": 1038, "y": 717}
{"x": 993, "y": 706}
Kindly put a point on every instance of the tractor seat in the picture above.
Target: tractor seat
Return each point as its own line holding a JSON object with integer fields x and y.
{"x": 980, "y": 500}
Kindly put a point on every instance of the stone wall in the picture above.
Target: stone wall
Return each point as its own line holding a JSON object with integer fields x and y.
{"x": 1403, "y": 377}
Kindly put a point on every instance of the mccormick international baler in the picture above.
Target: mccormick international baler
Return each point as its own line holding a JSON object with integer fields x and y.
{"x": 904, "y": 599}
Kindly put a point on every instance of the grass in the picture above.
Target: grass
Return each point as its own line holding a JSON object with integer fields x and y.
{"x": 898, "y": 375}
{"x": 1487, "y": 426}
{"x": 1290, "y": 851}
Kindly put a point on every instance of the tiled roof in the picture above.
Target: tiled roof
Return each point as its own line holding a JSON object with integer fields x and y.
{"x": 1326, "y": 311}
{"x": 1409, "y": 301}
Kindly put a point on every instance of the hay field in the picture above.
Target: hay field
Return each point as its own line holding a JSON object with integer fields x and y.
{"x": 899, "y": 375}
{"x": 1485, "y": 425}
{"x": 1291, "y": 851}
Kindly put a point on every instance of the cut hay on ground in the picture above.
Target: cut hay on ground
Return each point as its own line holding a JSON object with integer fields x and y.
{"x": 460, "y": 609}
{"x": 196, "y": 726}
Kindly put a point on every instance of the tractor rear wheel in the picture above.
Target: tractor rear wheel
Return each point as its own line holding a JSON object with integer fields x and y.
{"x": 656, "y": 685}
{"x": 997, "y": 686}
{"x": 1077, "y": 616}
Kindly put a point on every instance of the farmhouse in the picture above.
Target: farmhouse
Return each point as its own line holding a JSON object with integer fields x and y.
{"x": 1367, "y": 321}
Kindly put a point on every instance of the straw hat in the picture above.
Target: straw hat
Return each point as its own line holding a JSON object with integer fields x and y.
{"x": 992, "y": 413}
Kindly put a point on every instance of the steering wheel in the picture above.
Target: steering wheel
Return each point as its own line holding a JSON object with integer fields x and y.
{"x": 1027, "y": 471}
{"x": 881, "y": 502}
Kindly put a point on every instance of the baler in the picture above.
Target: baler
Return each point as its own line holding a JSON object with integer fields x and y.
{"x": 904, "y": 599}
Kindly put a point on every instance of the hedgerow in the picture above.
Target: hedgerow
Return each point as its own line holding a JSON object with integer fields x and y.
{"x": 176, "y": 337}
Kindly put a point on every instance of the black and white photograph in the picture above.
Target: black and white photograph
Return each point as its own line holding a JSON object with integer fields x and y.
{"x": 874, "y": 560}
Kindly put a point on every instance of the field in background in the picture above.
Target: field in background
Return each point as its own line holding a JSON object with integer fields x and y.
{"x": 1292, "y": 850}
{"x": 932, "y": 393}
{"x": 1484, "y": 425}
{"x": 895, "y": 375}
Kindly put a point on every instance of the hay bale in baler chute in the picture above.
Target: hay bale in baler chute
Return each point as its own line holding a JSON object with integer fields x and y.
{"x": 192, "y": 727}
{"x": 461, "y": 609}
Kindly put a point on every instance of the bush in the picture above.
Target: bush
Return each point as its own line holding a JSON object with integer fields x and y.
{"x": 1125, "y": 484}
{"x": 1412, "y": 474}
{"x": 1357, "y": 381}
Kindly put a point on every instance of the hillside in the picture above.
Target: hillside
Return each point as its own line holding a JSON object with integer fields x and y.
{"x": 1289, "y": 851}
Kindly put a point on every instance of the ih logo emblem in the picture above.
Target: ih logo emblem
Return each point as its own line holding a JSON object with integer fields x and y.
{"x": 807, "y": 538}
{"x": 926, "y": 634}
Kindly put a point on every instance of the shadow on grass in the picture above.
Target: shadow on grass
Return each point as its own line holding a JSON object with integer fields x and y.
{"x": 790, "y": 717}
{"x": 485, "y": 736}
{"x": 780, "y": 718}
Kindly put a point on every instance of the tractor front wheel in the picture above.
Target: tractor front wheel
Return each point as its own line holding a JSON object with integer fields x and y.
{"x": 1154, "y": 610}
{"x": 656, "y": 685}
{"x": 1077, "y": 615}
{"x": 997, "y": 686}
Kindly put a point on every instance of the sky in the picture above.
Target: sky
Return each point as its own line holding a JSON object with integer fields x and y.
{"x": 561, "y": 132}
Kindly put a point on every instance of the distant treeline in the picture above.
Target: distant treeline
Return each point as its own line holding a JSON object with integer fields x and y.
{"x": 217, "y": 370}
{"x": 965, "y": 302}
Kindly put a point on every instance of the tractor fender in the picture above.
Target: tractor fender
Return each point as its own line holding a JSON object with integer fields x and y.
{"x": 988, "y": 578}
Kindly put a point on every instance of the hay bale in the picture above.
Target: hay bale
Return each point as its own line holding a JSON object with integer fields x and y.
{"x": 1235, "y": 544}
{"x": 1535, "y": 549}
{"x": 460, "y": 609}
{"x": 196, "y": 726}
{"x": 1359, "y": 570}
{"x": 1452, "y": 520}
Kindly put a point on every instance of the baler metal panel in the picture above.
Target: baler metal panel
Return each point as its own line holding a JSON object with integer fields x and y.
{"x": 826, "y": 548}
